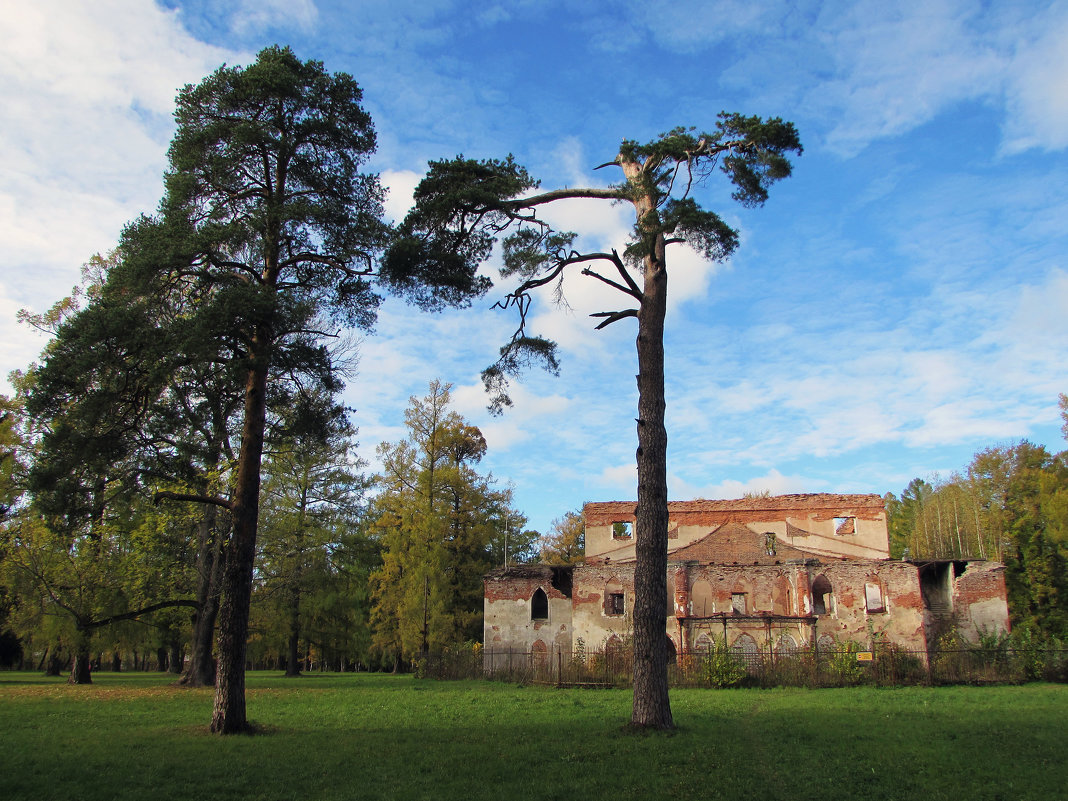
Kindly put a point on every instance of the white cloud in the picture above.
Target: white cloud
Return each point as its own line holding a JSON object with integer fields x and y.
{"x": 873, "y": 70}
{"x": 400, "y": 190}
{"x": 898, "y": 65}
{"x": 19, "y": 345}
{"x": 621, "y": 479}
{"x": 87, "y": 92}
{"x": 688, "y": 25}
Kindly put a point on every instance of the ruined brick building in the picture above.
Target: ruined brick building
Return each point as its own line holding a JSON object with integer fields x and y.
{"x": 779, "y": 572}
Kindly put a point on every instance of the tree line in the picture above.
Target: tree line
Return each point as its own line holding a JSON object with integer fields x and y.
{"x": 352, "y": 570}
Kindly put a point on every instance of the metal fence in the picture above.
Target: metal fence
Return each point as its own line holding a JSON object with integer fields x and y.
{"x": 886, "y": 665}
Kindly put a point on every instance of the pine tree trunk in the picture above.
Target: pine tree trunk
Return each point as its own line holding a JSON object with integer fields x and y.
{"x": 201, "y": 669}
{"x": 651, "y": 707}
{"x": 228, "y": 713}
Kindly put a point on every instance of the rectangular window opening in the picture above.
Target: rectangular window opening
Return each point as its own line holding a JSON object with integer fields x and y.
{"x": 622, "y": 530}
{"x": 738, "y": 603}
{"x": 873, "y": 598}
{"x": 844, "y": 526}
{"x": 616, "y": 603}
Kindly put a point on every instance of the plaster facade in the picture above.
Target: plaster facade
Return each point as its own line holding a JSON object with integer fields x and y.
{"x": 780, "y": 573}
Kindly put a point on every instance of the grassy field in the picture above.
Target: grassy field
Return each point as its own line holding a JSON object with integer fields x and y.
{"x": 374, "y": 736}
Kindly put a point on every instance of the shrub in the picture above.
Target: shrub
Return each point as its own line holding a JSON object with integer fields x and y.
{"x": 722, "y": 667}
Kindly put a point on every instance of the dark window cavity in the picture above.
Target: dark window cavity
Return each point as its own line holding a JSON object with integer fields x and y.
{"x": 539, "y": 605}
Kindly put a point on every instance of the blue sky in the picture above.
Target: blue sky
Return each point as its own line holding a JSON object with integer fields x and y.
{"x": 898, "y": 304}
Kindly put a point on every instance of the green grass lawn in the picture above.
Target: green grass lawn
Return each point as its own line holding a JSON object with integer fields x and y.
{"x": 376, "y": 736}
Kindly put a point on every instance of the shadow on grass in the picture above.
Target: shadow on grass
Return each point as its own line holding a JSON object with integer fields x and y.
{"x": 396, "y": 737}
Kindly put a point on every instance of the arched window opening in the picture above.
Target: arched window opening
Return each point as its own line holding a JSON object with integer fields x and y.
{"x": 614, "y": 599}
{"x": 873, "y": 598}
{"x": 672, "y": 651}
{"x": 703, "y": 644}
{"x": 822, "y": 600}
{"x": 738, "y": 603}
{"x": 787, "y": 645}
{"x": 539, "y": 605}
{"x": 747, "y": 651}
{"x": 702, "y": 602}
{"x": 769, "y": 543}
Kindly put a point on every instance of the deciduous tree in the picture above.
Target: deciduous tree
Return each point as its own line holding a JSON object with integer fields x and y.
{"x": 566, "y": 541}
{"x": 435, "y": 517}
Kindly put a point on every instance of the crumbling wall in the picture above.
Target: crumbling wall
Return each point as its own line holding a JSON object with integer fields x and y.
{"x": 747, "y": 583}
{"x": 818, "y": 525}
{"x": 979, "y": 600}
{"x": 593, "y": 621}
{"x": 853, "y": 616}
{"x": 509, "y": 625}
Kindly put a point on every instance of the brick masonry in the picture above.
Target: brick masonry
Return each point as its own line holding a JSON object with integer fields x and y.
{"x": 775, "y": 572}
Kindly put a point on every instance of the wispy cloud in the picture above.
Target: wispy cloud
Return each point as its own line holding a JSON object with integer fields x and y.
{"x": 259, "y": 16}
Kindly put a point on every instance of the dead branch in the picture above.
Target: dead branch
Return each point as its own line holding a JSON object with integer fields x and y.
{"x": 614, "y": 317}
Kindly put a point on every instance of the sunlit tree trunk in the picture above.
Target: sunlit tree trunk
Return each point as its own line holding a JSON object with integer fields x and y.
{"x": 651, "y": 707}
{"x": 228, "y": 712}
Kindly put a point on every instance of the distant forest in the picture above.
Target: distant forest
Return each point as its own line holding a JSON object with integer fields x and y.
{"x": 1010, "y": 504}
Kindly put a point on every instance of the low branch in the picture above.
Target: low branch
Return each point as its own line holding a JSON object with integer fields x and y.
{"x": 167, "y": 495}
{"x": 107, "y": 621}
{"x": 309, "y": 257}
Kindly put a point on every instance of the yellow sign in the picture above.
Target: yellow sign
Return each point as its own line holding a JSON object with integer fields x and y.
{"x": 865, "y": 656}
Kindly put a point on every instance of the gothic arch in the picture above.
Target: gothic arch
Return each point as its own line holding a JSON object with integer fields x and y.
{"x": 539, "y": 605}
